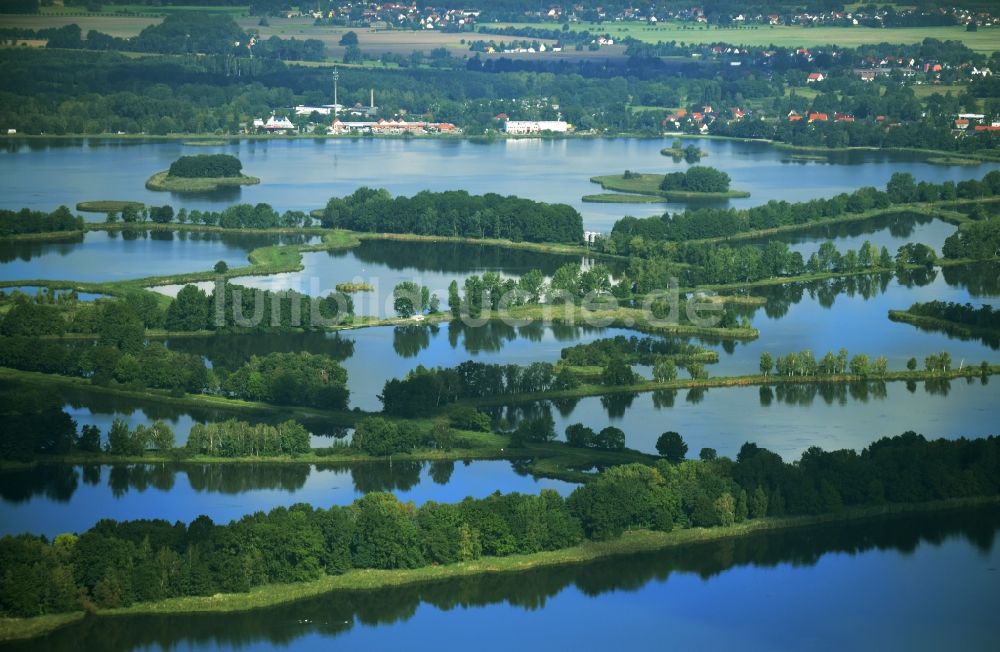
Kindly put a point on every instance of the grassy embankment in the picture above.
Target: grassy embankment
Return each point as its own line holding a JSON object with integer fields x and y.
{"x": 164, "y": 182}
{"x": 643, "y": 188}
{"x": 957, "y": 329}
{"x": 108, "y": 206}
{"x": 632, "y": 542}
{"x": 953, "y": 160}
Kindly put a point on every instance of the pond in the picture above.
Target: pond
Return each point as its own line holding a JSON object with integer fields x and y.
{"x": 922, "y": 582}
{"x": 889, "y": 231}
{"x": 786, "y": 419}
{"x": 383, "y": 264}
{"x": 303, "y": 174}
{"x": 51, "y": 499}
{"x": 852, "y": 312}
{"x": 130, "y": 254}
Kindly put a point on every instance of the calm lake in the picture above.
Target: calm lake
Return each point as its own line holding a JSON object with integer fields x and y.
{"x": 876, "y": 584}
{"x": 304, "y": 174}
{"x": 59, "y": 498}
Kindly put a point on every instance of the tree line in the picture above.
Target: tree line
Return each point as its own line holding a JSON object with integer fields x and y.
{"x": 29, "y": 221}
{"x": 187, "y": 33}
{"x": 455, "y": 213}
{"x": 424, "y": 391}
{"x": 633, "y": 349}
{"x": 978, "y": 241}
{"x": 640, "y": 236}
{"x": 965, "y": 314}
{"x": 116, "y": 564}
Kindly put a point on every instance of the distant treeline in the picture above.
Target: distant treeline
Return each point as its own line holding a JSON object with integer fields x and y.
{"x": 187, "y": 33}
{"x": 632, "y": 235}
{"x": 206, "y": 166}
{"x": 116, "y": 564}
{"x": 29, "y": 221}
{"x": 455, "y": 213}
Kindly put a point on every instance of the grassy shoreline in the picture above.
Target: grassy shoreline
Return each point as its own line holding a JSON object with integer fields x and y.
{"x": 944, "y": 325}
{"x": 497, "y": 137}
{"x": 162, "y": 181}
{"x": 633, "y": 542}
{"x": 108, "y": 206}
{"x": 648, "y": 185}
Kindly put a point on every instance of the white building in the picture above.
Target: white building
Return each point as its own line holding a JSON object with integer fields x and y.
{"x": 274, "y": 124}
{"x": 325, "y": 109}
{"x": 523, "y": 127}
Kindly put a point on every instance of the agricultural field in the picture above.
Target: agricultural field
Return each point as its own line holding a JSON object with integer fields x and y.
{"x": 985, "y": 40}
{"x": 404, "y": 42}
{"x": 123, "y": 26}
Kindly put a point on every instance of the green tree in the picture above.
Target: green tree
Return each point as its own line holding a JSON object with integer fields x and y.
{"x": 618, "y": 372}
{"x": 189, "y": 311}
{"x": 409, "y": 299}
{"x": 671, "y": 446}
{"x": 386, "y": 533}
{"x": 664, "y": 370}
{"x": 766, "y": 363}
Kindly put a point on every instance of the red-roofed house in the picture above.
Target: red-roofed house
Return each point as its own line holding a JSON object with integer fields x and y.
{"x": 815, "y": 77}
{"x": 961, "y": 123}
{"x": 818, "y": 117}
{"x": 987, "y": 128}
{"x": 843, "y": 117}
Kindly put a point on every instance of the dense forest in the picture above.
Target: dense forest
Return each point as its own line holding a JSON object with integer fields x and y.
{"x": 455, "y": 213}
{"x": 117, "y": 564}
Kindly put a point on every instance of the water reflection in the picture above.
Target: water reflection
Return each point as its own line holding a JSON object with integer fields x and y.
{"x": 959, "y": 542}
{"x": 54, "y": 498}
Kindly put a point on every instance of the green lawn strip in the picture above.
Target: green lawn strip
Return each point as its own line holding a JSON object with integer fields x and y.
{"x": 108, "y": 206}
{"x": 620, "y": 198}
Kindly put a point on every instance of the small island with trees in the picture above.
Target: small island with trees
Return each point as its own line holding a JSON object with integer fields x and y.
{"x": 200, "y": 173}
{"x": 697, "y": 182}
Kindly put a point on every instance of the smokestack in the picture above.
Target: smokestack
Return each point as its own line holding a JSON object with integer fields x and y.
{"x": 373, "y": 98}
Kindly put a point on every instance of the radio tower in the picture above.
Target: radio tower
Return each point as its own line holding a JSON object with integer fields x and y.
{"x": 336, "y": 105}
